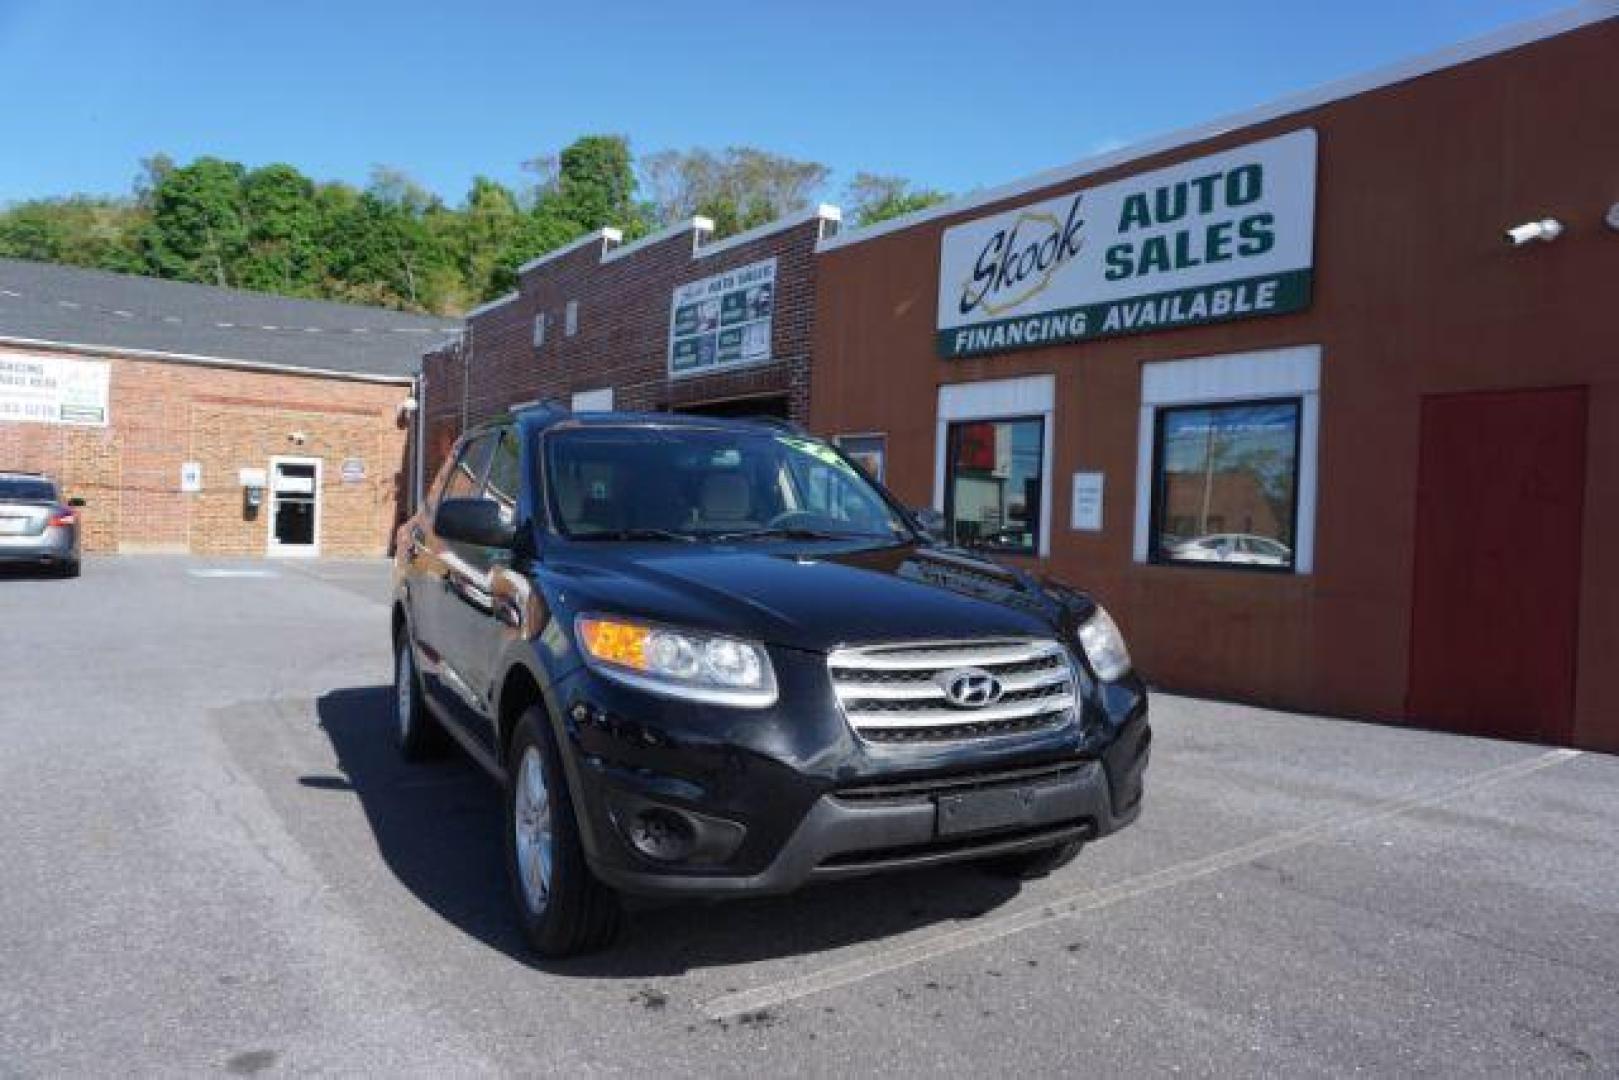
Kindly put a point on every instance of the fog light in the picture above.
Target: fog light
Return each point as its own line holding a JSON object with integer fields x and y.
{"x": 662, "y": 835}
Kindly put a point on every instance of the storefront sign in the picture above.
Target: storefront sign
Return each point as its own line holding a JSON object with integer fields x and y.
{"x": 53, "y": 390}
{"x": 1228, "y": 236}
{"x": 722, "y": 321}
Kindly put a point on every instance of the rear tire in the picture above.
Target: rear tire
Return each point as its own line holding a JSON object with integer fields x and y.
{"x": 1029, "y": 865}
{"x": 420, "y": 737}
{"x": 562, "y": 908}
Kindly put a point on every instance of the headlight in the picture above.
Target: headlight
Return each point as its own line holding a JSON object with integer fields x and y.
{"x": 678, "y": 663}
{"x": 1104, "y": 646}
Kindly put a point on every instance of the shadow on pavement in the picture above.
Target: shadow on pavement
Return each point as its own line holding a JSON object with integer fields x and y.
{"x": 438, "y": 828}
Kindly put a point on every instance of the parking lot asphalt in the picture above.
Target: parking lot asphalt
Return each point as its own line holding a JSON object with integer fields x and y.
{"x": 211, "y": 860}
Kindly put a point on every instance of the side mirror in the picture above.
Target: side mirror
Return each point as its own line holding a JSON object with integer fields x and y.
{"x": 76, "y": 502}
{"x": 931, "y": 522}
{"x": 473, "y": 521}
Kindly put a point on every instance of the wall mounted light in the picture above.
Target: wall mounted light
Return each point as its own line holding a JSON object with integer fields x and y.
{"x": 1613, "y": 217}
{"x": 1546, "y": 229}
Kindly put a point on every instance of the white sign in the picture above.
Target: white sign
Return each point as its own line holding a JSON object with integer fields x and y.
{"x": 191, "y": 476}
{"x": 353, "y": 471}
{"x": 722, "y": 321}
{"x": 250, "y": 477}
{"x": 1226, "y": 236}
{"x": 1085, "y": 511}
{"x": 53, "y": 390}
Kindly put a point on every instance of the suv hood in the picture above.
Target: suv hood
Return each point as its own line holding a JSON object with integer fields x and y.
{"x": 810, "y": 597}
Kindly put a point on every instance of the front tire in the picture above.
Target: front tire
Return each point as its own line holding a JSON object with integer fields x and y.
{"x": 1029, "y": 865}
{"x": 562, "y": 908}
{"x": 419, "y": 735}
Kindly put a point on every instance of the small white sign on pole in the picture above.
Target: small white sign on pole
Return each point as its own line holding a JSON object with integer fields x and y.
{"x": 1086, "y": 513}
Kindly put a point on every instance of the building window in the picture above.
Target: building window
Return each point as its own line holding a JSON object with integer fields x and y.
{"x": 1226, "y": 467}
{"x": 570, "y": 318}
{"x": 539, "y": 330}
{"x": 992, "y": 463}
{"x": 994, "y": 483}
{"x": 1225, "y": 484}
{"x": 870, "y": 452}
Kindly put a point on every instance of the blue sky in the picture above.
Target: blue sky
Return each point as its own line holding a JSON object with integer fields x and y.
{"x": 953, "y": 95}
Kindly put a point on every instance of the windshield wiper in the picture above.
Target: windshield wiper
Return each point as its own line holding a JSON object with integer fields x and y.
{"x": 788, "y": 534}
{"x": 635, "y": 534}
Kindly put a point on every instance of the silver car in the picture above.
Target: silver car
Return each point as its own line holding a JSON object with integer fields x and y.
{"x": 37, "y": 528}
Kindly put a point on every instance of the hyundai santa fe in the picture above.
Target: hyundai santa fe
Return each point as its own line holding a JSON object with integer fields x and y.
{"x": 713, "y": 658}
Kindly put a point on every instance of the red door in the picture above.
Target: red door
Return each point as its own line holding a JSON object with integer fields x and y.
{"x": 1495, "y": 606}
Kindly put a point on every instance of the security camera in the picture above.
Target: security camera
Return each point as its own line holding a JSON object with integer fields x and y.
{"x": 1547, "y": 229}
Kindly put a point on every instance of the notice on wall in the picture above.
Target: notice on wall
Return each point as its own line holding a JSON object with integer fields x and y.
{"x": 191, "y": 477}
{"x": 353, "y": 471}
{"x": 1085, "y": 513}
{"x": 53, "y": 390}
{"x": 1227, "y": 236}
{"x": 722, "y": 321}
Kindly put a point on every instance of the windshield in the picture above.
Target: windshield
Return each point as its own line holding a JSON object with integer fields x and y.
{"x": 696, "y": 483}
{"x": 27, "y": 489}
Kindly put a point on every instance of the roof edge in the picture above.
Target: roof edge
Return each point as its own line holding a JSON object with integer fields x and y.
{"x": 121, "y": 353}
{"x": 696, "y": 224}
{"x": 822, "y": 212}
{"x": 1502, "y": 40}
{"x": 605, "y": 235}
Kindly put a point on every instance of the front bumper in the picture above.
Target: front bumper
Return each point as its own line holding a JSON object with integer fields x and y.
{"x": 788, "y": 796}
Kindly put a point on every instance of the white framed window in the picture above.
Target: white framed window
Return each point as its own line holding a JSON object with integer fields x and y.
{"x": 570, "y": 318}
{"x": 993, "y": 463}
{"x": 539, "y": 330}
{"x": 1226, "y": 461}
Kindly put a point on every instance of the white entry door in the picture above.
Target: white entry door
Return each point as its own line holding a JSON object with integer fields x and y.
{"x": 294, "y": 506}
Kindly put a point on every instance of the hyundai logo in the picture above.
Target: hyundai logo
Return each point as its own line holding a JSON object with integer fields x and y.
{"x": 970, "y": 688}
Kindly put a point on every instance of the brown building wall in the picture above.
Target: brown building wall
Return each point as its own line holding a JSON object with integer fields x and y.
{"x": 165, "y": 413}
{"x": 623, "y": 332}
{"x": 1415, "y": 294}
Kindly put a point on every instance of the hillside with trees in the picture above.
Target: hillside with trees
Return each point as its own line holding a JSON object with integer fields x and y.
{"x": 395, "y": 244}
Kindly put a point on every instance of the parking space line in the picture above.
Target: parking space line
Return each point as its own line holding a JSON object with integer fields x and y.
{"x": 744, "y": 1002}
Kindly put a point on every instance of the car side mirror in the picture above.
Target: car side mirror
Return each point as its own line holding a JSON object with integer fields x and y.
{"x": 474, "y": 521}
{"x": 931, "y": 522}
{"x": 76, "y": 502}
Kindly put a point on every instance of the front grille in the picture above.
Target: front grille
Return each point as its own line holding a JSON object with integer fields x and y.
{"x": 896, "y": 693}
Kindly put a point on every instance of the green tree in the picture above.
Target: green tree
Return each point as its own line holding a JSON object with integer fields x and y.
{"x": 595, "y": 184}
{"x": 489, "y": 221}
{"x": 870, "y": 198}
{"x": 198, "y": 230}
{"x": 283, "y": 252}
{"x": 80, "y": 230}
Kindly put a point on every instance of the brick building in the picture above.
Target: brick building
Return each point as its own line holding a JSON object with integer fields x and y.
{"x": 673, "y": 321}
{"x": 215, "y": 421}
{"x": 1284, "y": 392}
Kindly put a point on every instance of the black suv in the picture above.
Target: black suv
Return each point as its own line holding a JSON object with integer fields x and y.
{"x": 713, "y": 658}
